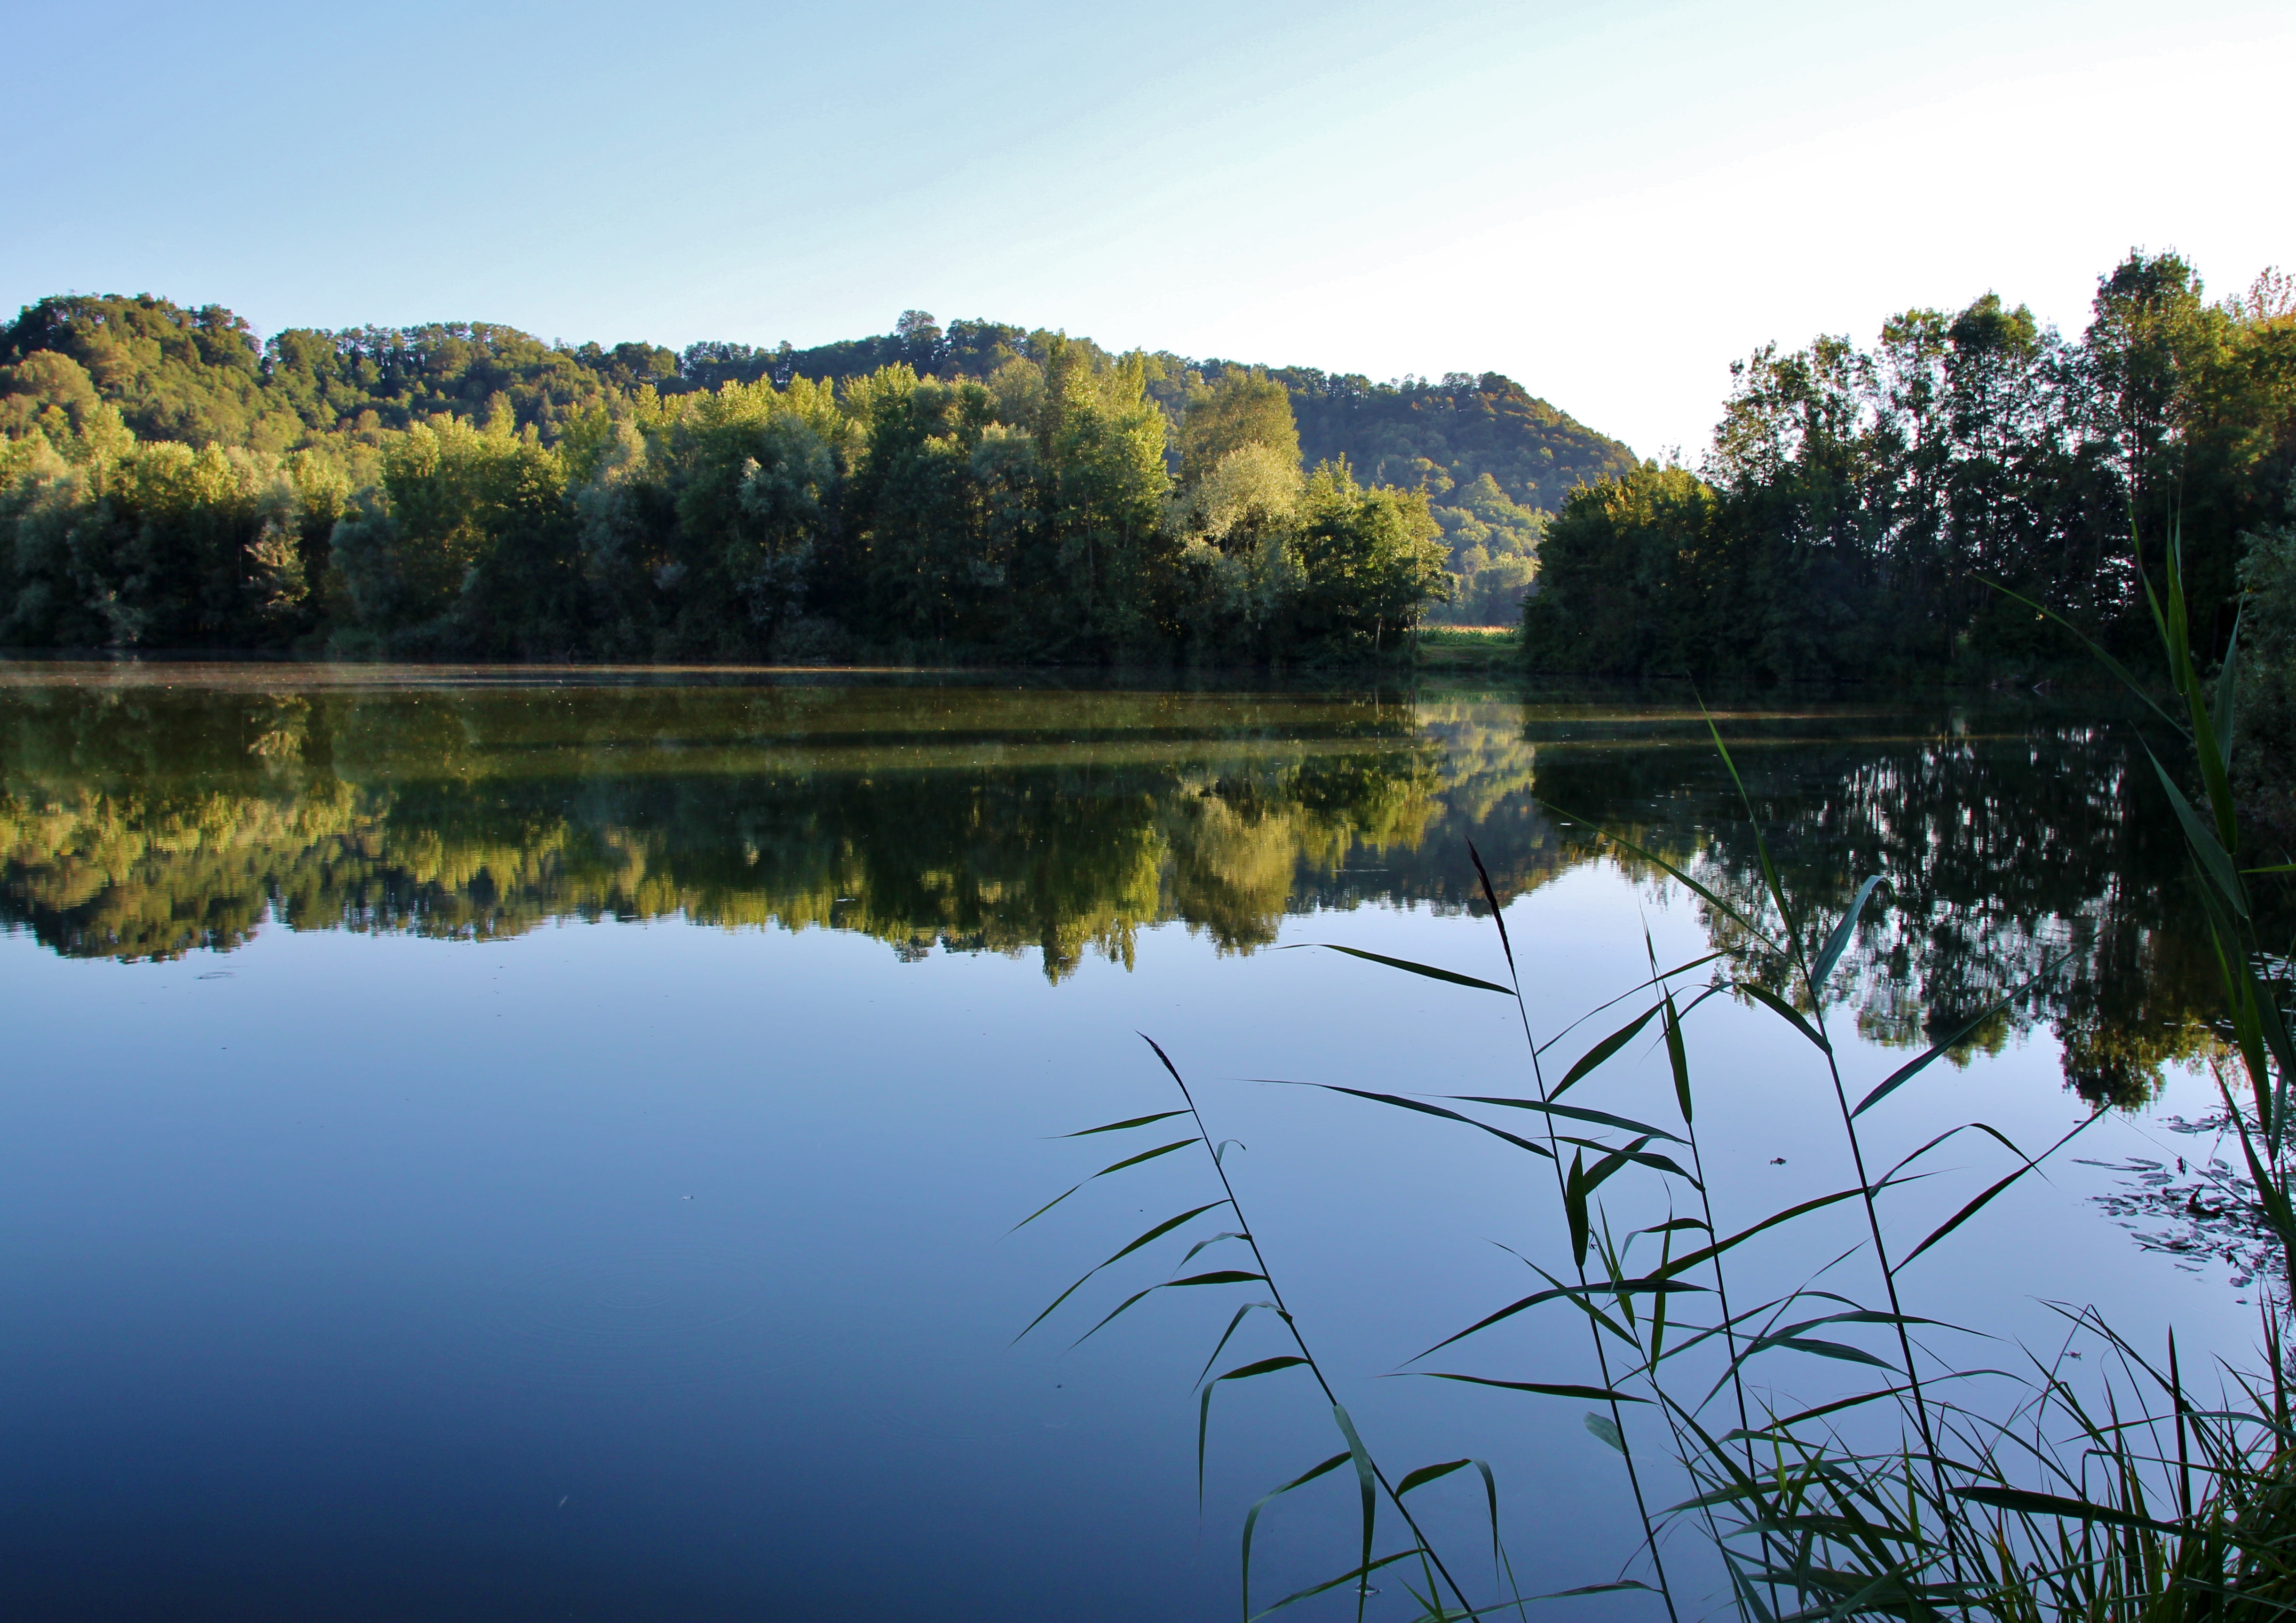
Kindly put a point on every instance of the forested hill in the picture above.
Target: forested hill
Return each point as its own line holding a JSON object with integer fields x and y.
{"x": 201, "y": 376}
{"x": 167, "y": 481}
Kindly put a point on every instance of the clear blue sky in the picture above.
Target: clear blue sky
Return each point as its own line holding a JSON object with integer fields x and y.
{"x": 1608, "y": 202}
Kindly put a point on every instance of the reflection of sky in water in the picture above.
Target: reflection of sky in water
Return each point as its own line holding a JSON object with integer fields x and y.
{"x": 662, "y": 1271}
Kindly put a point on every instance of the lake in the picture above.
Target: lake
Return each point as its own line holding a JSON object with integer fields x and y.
{"x": 508, "y": 1143}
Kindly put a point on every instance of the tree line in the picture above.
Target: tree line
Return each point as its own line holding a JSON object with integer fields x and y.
{"x": 167, "y": 481}
{"x": 1857, "y": 506}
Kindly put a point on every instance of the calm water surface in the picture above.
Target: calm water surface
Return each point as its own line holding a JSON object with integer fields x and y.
{"x": 500, "y": 1144}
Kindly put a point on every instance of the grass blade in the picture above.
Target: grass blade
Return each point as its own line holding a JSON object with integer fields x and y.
{"x": 1605, "y": 1049}
{"x": 2032, "y": 1164}
{"x": 1545, "y": 1388}
{"x": 1655, "y": 860}
{"x": 1906, "y": 1073}
{"x": 1352, "y": 1575}
{"x": 1119, "y": 1127}
{"x": 2110, "y": 663}
{"x": 1677, "y": 1059}
{"x": 1221, "y": 1345}
{"x": 1780, "y": 1006}
{"x": 1428, "y": 970}
{"x": 1601, "y": 1119}
{"x": 1402, "y": 1104}
{"x": 1426, "y": 1474}
{"x": 2208, "y": 850}
{"x": 2057, "y": 1505}
{"x": 1157, "y": 1232}
{"x": 1839, "y": 940}
{"x": 1491, "y": 896}
{"x": 1221, "y": 1276}
{"x": 1707, "y": 1253}
{"x": 1823, "y": 1349}
{"x": 1507, "y": 1312}
{"x": 1243, "y": 1371}
{"x": 1367, "y": 1479}
{"x": 1251, "y": 1517}
{"x": 1129, "y": 1160}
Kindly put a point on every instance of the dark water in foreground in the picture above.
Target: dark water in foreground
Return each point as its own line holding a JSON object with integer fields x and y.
{"x": 484, "y": 1146}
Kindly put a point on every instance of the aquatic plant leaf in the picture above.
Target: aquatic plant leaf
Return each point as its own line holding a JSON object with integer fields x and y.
{"x": 1777, "y": 1426}
{"x": 1605, "y": 1049}
{"x": 1707, "y": 1253}
{"x": 1507, "y": 1312}
{"x": 1677, "y": 1059}
{"x": 1224, "y": 1276}
{"x": 1424, "y": 1109}
{"x": 2207, "y": 849}
{"x": 1119, "y": 1127}
{"x": 1607, "y": 1429}
{"x": 1823, "y": 1349}
{"x": 1545, "y": 1388}
{"x": 2106, "y": 660}
{"x": 1520, "y": 1601}
{"x": 1243, "y": 1371}
{"x": 1837, "y": 942}
{"x": 1794, "y": 1017}
{"x": 1907, "y": 1072}
{"x": 1574, "y": 1204}
{"x": 1214, "y": 1239}
{"x": 2227, "y": 703}
{"x": 1576, "y": 1294}
{"x": 1601, "y": 1118}
{"x": 2032, "y": 1504}
{"x": 1761, "y": 846}
{"x": 1157, "y": 1232}
{"x": 1960, "y": 1217}
{"x": 1251, "y": 1517}
{"x": 1492, "y": 897}
{"x": 2032, "y": 1164}
{"x": 1352, "y": 1575}
{"x": 1367, "y": 1481}
{"x": 1129, "y": 1160}
{"x": 1428, "y": 970}
{"x": 1655, "y": 860}
{"x": 1613, "y": 1161}
{"x": 1241, "y": 1314}
{"x": 1659, "y": 980}
{"x": 1426, "y": 1474}
{"x": 1640, "y": 1157}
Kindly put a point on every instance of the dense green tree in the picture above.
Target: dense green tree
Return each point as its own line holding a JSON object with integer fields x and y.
{"x": 468, "y": 526}
{"x": 1618, "y": 551}
{"x": 1867, "y": 504}
{"x": 1369, "y": 559}
{"x": 1242, "y": 408}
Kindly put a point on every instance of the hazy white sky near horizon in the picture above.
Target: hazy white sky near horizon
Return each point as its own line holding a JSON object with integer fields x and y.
{"x": 1607, "y": 202}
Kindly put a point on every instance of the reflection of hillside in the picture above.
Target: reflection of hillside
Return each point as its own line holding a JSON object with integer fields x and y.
{"x": 1046, "y": 822}
{"x": 141, "y": 821}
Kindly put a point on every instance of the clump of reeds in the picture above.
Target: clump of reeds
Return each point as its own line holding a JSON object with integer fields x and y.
{"x": 2115, "y": 1498}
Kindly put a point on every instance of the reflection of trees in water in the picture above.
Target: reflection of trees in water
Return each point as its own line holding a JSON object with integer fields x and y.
{"x": 139, "y": 822}
{"x": 1053, "y": 824}
{"x": 2007, "y": 844}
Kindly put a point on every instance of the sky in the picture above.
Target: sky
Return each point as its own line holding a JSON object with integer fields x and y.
{"x": 1607, "y": 202}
